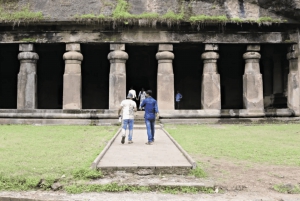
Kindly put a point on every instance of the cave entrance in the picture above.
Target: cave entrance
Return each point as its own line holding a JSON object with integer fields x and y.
{"x": 141, "y": 68}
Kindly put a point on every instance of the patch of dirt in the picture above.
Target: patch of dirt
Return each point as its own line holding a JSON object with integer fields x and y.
{"x": 246, "y": 176}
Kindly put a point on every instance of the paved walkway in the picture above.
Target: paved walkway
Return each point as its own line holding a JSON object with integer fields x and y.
{"x": 163, "y": 152}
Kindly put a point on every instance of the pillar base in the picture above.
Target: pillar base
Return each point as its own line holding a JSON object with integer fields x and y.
{"x": 253, "y": 92}
{"x": 211, "y": 92}
{"x": 72, "y": 85}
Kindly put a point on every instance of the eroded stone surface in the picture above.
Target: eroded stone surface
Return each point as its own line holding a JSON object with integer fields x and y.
{"x": 211, "y": 89}
{"x": 72, "y": 88}
{"x": 253, "y": 83}
{"x": 27, "y": 79}
{"x": 117, "y": 76}
{"x": 165, "y": 80}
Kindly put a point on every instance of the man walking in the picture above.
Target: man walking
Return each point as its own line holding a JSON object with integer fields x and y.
{"x": 129, "y": 107}
{"x": 151, "y": 111}
{"x": 178, "y": 98}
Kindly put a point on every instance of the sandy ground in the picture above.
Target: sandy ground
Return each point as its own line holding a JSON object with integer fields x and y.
{"x": 229, "y": 196}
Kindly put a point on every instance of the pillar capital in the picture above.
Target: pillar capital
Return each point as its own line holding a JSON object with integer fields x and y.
{"x": 165, "y": 55}
{"x": 28, "y": 56}
{"x": 210, "y": 56}
{"x": 73, "y": 55}
{"x": 117, "y": 55}
{"x": 251, "y": 55}
{"x": 253, "y": 48}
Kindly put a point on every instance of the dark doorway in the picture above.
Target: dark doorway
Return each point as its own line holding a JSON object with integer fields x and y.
{"x": 188, "y": 68}
{"x": 95, "y": 76}
{"x": 9, "y": 69}
{"x": 231, "y": 67}
{"x": 141, "y": 68}
{"x": 50, "y": 70}
{"x": 275, "y": 69}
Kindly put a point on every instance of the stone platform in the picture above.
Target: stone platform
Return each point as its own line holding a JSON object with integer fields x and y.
{"x": 164, "y": 156}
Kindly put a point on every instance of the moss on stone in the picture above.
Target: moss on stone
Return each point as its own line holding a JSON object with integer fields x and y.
{"x": 22, "y": 15}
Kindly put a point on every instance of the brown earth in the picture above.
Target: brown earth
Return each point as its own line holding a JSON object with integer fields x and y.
{"x": 246, "y": 176}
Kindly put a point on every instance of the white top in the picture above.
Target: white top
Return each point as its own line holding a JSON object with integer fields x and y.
{"x": 128, "y": 108}
{"x": 142, "y": 95}
{"x": 132, "y": 92}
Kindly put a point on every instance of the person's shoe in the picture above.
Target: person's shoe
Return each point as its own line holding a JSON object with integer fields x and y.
{"x": 130, "y": 142}
{"x": 153, "y": 140}
{"x": 148, "y": 143}
{"x": 123, "y": 140}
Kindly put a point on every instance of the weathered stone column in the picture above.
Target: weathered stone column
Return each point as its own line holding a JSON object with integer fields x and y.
{"x": 293, "y": 81}
{"x": 210, "y": 90}
{"x": 117, "y": 75}
{"x": 27, "y": 80}
{"x": 165, "y": 77}
{"x": 252, "y": 82}
{"x": 72, "y": 78}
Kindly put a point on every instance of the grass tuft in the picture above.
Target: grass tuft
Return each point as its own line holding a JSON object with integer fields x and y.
{"x": 287, "y": 189}
{"x": 198, "y": 172}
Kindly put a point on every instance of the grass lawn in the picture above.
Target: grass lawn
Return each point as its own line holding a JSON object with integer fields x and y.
{"x": 49, "y": 151}
{"x": 277, "y": 144}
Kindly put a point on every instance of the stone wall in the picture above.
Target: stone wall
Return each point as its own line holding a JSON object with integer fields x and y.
{"x": 252, "y": 9}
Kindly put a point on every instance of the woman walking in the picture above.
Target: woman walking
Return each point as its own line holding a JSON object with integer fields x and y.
{"x": 141, "y": 96}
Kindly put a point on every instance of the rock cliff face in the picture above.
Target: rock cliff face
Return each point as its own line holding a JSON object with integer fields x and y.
{"x": 244, "y": 9}
{"x": 289, "y": 8}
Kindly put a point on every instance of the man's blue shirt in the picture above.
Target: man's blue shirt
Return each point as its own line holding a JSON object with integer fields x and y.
{"x": 151, "y": 108}
{"x": 178, "y": 97}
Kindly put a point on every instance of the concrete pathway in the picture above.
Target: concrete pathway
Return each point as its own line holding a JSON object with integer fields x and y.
{"x": 163, "y": 153}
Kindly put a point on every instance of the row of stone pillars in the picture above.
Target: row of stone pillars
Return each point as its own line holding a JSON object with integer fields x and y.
{"x": 211, "y": 93}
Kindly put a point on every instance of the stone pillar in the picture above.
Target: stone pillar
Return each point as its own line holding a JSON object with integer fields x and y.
{"x": 165, "y": 77}
{"x": 72, "y": 78}
{"x": 117, "y": 75}
{"x": 210, "y": 90}
{"x": 252, "y": 82}
{"x": 293, "y": 81}
{"x": 27, "y": 80}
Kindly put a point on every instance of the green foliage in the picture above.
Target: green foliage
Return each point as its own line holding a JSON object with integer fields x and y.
{"x": 121, "y": 11}
{"x": 28, "y": 40}
{"x": 21, "y": 183}
{"x": 198, "y": 172}
{"x": 147, "y": 16}
{"x": 114, "y": 187}
{"x": 86, "y": 174}
{"x": 236, "y": 20}
{"x": 23, "y": 15}
{"x": 206, "y": 18}
{"x": 170, "y": 15}
{"x": 90, "y": 16}
{"x": 31, "y": 153}
{"x": 288, "y": 189}
{"x": 253, "y": 143}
